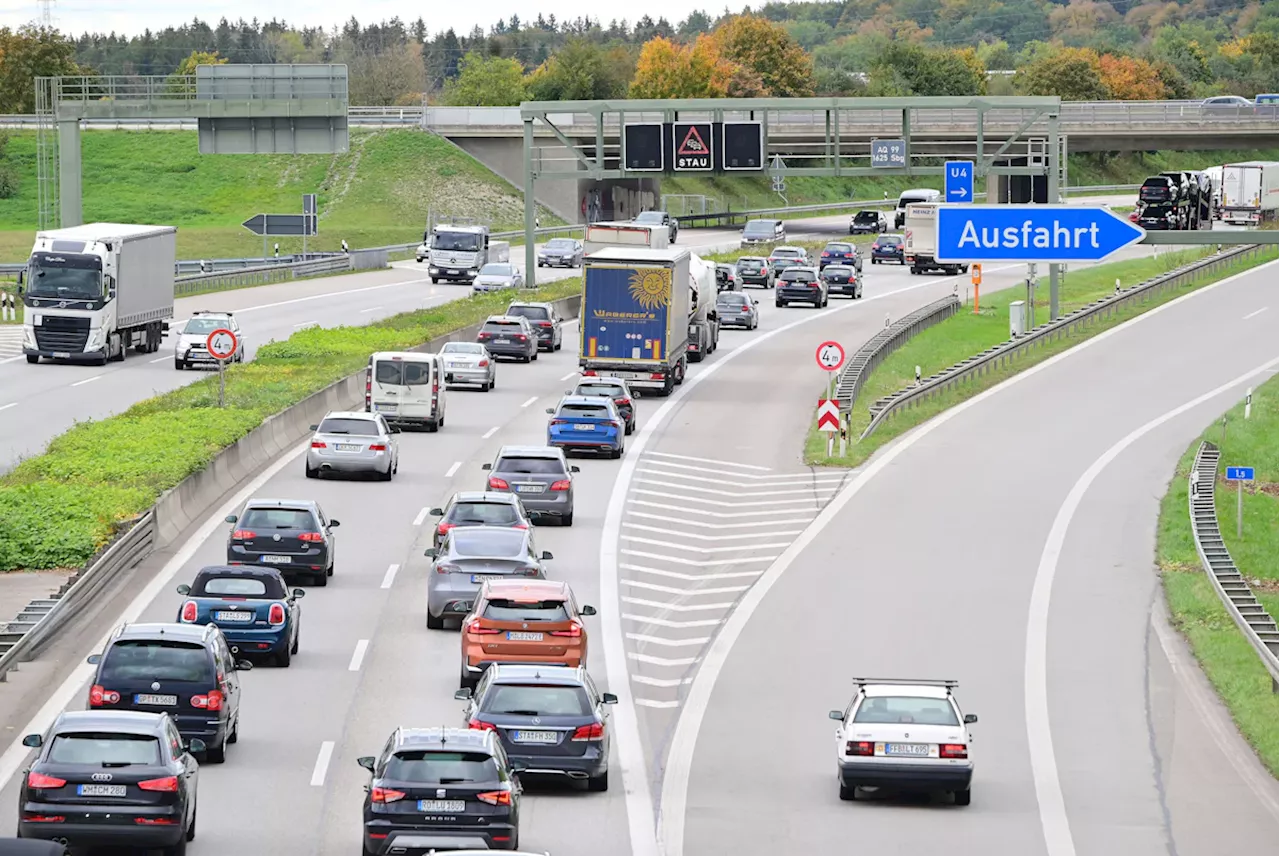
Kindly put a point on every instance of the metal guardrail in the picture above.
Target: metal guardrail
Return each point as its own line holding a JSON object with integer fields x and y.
{"x": 895, "y": 335}
{"x": 199, "y": 283}
{"x": 22, "y": 639}
{"x": 998, "y": 355}
{"x": 1253, "y": 620}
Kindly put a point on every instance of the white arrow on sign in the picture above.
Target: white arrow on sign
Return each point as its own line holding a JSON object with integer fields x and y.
{"x": 961, "y": 192}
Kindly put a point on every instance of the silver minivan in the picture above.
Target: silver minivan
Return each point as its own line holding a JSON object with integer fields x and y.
{"x": 406, "y": 388}
{"x": 913, "y": 197}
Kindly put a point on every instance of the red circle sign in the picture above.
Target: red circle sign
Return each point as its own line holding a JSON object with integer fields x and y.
{"x": 221, "y": 344}
{"x": 830, "y": 356}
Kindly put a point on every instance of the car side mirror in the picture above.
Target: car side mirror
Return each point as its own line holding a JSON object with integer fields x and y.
{"x": 184, "y": 589}
{"x": 517, "y": 767}
{"x": 970, "y": 718}
{"x": 333, "y": 523}
{"x": 299, "y": 592}
{"x": 430, "y": 552}
{"x": 486, "y": 466}
{"x": 575, "y": 469}
{"x": 22, "y": 276}
{"x": 551, "y": 411}
{"x": 755, "y": 302}
{"x": 243, "y": 666}
{"x": 196, "y": 745}
{"x": 231, "y": 518}
{"x": 837, "y": 715}
{"x": 608, "y": 698}
{"x": 314, "y": 427}
{"x": 436, "y": 512}
{"x": 463, "y": 694}
{"x": 367, "y": 762}
{"x": 394, "y": 429}
{"x": 33, "y": 741}
{"x": 93, "y": 659}
{"x": 546, "y": 556}
{"x": 587, "y": 610}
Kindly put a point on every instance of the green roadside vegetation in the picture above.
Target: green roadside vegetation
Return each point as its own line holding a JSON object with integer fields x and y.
{"x": 1227, "y": 658}
{"x": 59, "y": 508}
{"x": 966, "y": 334}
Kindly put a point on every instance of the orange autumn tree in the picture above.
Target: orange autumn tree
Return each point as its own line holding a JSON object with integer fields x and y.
{"x": 666, "y": 69}
{"x": 766, "y": 50}
{"x": 1131, "y": 79}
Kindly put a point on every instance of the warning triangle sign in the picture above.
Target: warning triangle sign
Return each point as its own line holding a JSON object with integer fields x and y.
{"x": 693, "y": 144}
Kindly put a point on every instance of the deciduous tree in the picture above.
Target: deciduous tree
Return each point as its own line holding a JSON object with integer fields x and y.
{"x": 26, "y": 54}
{"x": 1130, "y": 79}
{"x": 582, "y": 71}
{"x": 669, "y": 70}
{"x": 486, "y": 81}
{"x": 1073, "y": 74}
{"x": 769, "y": 51}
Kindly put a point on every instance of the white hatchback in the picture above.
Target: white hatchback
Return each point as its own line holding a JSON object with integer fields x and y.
{"x": 904, "y": 735}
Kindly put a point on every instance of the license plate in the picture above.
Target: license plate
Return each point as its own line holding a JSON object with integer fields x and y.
{"x": 347, "y": 447}
{"x": 100, "y": 790}
{"x": 529, "y": 488}
{"x": 442, "y": 806}
{"x": 517, "y": 636}
{"x": 457, "y": 365}
{"x": 233, "y": 617}
{"x": 534, "y": 736}
{"x": 502, "y": 341}
{"x": 914, "y": 749}
{"x": 584, "y": 427}
{"x": 453, "y": 271}
{"x": 385, "y": 408}
{"x": 277, "y": 560}
{"x": 158, "y": 700}
{"x": 59, "y": 355}
{"x": 479, "y": 578}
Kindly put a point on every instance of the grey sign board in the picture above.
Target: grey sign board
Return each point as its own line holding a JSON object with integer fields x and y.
{"x": 888, "y": 153}
{"x": 272, "y": 109}
{"x": 281, "y": 225}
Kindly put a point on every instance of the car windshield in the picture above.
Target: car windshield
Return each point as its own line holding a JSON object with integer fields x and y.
{"x": 464, "y": 348}
{"x": 843, "y": 249}
{"x": 440, "y": 768}
{"x": 489, "y": 543}
{"x": 889, "y": 240}
{"x": 204, "y": 326}
{"x": 500, "y": 609}
{"x": 483, "y": 514}
{"x": 781, "y": 253}
{"x": 537, "y": 313}
{"x": 343, "y": 425}
{"x": 156, "y": 660}
{"x": 605, "y": 389}
{"x": 459, "y": 242}
{"x": 759, "y": 227}
{"x": 496, "y": 270}
{"x": 536, "y": 700}
{"x": 649, "y": 217}
{"x": 530, "y": 466}
{"x": 750, "y": 264}
{"x": 798, "y": 276}
{"x": 561, "y": 244}
{"x": 731, "y": 300}
{"x": 583, "y": 411}
{"x": 105, "y": 748}
{"x": 234, "y": 586}
{"x": 839, "y": 270}
{"x": 277, "y": 518}
{"x": 866, "y": 217}
{"x": 906, "y": 709}
{"x": 398, "y": 373}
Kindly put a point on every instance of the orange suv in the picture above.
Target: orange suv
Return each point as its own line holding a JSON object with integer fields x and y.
{"x": 523, "y": 621}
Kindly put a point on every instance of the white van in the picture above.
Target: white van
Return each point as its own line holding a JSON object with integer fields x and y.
{"x": 407, "y": 388}
{"x": 912, "y": 197}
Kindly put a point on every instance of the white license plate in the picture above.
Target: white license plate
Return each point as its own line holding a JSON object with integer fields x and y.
{"x": 158, "y": 700}
{"x": 584, "y": 427}
{"x": 517, "y": 636}
{"x": 479, "y": 578}
{"x": 277, "y": 560}
{"x": 347, "y": 447}
{"x": 385, "y": 408}
{"x": 59, "y": 355}
{"x": 912, "y": 749}
{"x": 457, "y": 365}
{"x": 442, "y": 806}
{"x": 233, "y": 617}
{"x": 534, "y": 736}
{"x": 529, "y": 488}
{"x": 100, "y": 790}
{"x": 502, "y": 341}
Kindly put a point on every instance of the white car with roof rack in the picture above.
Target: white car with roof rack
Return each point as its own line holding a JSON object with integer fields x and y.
{"x": 902, "y": 734}
{"x": 190, "y": 345}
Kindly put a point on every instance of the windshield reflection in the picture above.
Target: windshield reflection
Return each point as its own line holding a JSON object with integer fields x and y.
{"x": 64, "y": 283}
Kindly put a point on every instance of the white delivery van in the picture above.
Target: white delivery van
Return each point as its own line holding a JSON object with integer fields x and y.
{"x": 407, "y": 388}
{"x": 913, "y": 197}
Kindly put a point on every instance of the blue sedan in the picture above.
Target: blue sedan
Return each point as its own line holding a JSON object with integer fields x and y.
{"x": 586, "y": 423}
{"x": 252, "y": 606}
{"x": 887, "y": 248}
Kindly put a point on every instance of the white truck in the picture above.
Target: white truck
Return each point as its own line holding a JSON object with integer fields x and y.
{"x": 456, "y": 252}
{"x": 704, "y": 321}
{"x": 601, "y": 236}
{"x": 920, "y": 240}
{"x": 1250, "y": 192}
{"x": 91, "y": 292}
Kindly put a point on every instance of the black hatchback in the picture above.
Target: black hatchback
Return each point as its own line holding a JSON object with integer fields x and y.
{"x": 183, "y": 670}
{"x": 887, "y": 248}
{"x": 292, "y": 535}
{"x": 111, "y": 779}
{"x": 440, "y": 789}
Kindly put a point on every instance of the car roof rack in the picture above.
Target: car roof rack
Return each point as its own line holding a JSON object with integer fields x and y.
{"x": 917, "y": 682}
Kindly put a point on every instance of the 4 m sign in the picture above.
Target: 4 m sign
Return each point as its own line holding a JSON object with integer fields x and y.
{"x": 692, "y": 142}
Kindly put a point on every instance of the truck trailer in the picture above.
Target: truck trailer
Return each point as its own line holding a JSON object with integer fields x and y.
{"x": 920, "y": 240}
{"x": 635, "y": 316}
{"x": 602, "y": 236}
{"x": 704, "y": 322}
{"x": 92, "y": 292}
{"x": 1250, "y": 192}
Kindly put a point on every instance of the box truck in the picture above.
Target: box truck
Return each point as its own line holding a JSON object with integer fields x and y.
{"x": 92, "y": 292}
{"x": 920, "y": 240}
{"x": 635, "y": 316}
{"x": 1250, "y": 192}
{"x": 602, "y": 236}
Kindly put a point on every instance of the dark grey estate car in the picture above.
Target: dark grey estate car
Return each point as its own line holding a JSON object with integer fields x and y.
{"x": 540, "y": 476}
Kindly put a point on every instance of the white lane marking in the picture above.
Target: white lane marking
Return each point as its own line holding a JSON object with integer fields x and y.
{"x": 453, "y": 469}
{"x": 486, "y": 435}
{"x": 390, "y": 576}
{"x": 704, "y": 512}
{"x": 660, "y": 682}
{"x": 656, "y": 543}
{"x": 675, "y": 782}
{"x": 679, "y": 534}
{"x": 675, "y": 607}
{"x": 329, "y": 294}
{"x": 648, "y": 702}
{"x": 736, "y": 575}
{"x": 370, "y": 309}
{"x": 669, "y": 643}
{"x": 661, "y": 661}
{"x": 7, "y": 406}
{"x": 530, "y": 401}
{"x": 695, "y": 563}
{"x": 713, "y": 460}
{"x": 305, "y": 324}
{"x": 671, "y": 466}
{"x": 322, "y": 764}
{"x": 806, "y": 491}
{"x": 1255, "y": 312}
{"x": 569, "y": 376}
{"x": 670, "y": 590}
{"x": 357, "y": 658}
{"x": 768, "y": 502}
{"x": 814, "y": 483}
{"x": 674, "y": 625}
{"x": 88, "y": 380}
{"x": 422, "y": 515}
{"x": 159, "y": 360}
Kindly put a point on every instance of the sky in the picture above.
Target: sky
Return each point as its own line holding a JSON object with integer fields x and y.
{"x": 133, "y": 16}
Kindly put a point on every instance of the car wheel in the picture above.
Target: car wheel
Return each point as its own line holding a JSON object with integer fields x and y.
{"x": 779, "y": 303}
{"x": 217, "y": 754}
{"x": 293, "y": 649}
{"x": 534, "y": 358}
{"x": 629, "y": 430}
{"x": 599, "y": 783}
{"x": 434, "y": 622}
{"x": 385, "y": 476}
{"x": 179, "y": 849}
{"x": 567, "y": 519}
{"x": 614, "y": 454}
{"x": 312, "y": 473}
{"x": 848, "y": 793}
{"x": 284, "y": 658}
{"x": 963, "y": 797}
{"x": 234, "y": 736}
{"x": 321, "y": 579}
{"x": 178, "y": 365}
{"x": 191, "y": 830}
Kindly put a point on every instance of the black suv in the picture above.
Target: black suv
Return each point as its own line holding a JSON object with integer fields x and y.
{"x": 111, "y": 778}
{"x": 183, "y": 670}
{"x": 800, "y": 285}
{"x": 544, "y": 321}
{"x": 441, "y": 789}
{"x": 292, "y": 535}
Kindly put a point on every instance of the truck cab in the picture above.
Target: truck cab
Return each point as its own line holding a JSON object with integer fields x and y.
{"x": 455, "y": 253}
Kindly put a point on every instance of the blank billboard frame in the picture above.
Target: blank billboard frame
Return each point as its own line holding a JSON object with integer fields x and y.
{"x": 724, "y": 142}
{"x": 662, "y": 149}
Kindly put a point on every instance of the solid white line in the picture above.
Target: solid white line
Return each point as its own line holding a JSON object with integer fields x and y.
{"x": 7, "y": 406}
{"x": 705, "y": 550}
{"x": 695, "y": 563}
{"x": 87, "y": 380}
{"x": 453, "y": 469}
{"x": 660, "y": 682}
{"x": 329, "y": 294}
{"x": 675, "y": 607}
{"x": 530, "y": 401}
{"x": 661, "y": 661}
{"x": 669, "y": 643}
{"x": 706, "y": 513}
{"x": 830, "y": 485}
{"x": 370, "y": 309}
{"x": 160, "y": 360}
{"x": 422, "y": 515}
{"x": 1255, "y": 312}
{"x": 569, "y": 376}
{"x": 648, "y": 702}
{"x": 305, "y": 324}
{"x": 679, "y": 766}
{"x": 486, "y": 435}
{"x": 686, "y": 592}
{"x": 737, "y": 575}
{"x": 322, "y": 764}
{"x": 769, "y": 502}
{"x": 358, "y": 657}
{"x": 713, "y": 460}
{"x": 762, "y": 479}
{"x": 674, "y": 625}
{"x": 390, "y": 576}
{"x": 678, "y": 534}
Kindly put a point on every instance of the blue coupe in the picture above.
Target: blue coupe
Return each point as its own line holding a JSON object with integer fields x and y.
{"x": 252, "y": 606}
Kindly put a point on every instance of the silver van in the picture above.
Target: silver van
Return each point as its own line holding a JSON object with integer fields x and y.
{"x": 912, "y": 197}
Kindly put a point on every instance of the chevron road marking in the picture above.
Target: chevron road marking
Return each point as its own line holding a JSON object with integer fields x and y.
{"x": 718, "y": 526}
{"x": 817, "y": 481}
{"x": 675, "y": 607}
{"x": 669, "y": 643}
{"x": 693, "y": 578}
{"x": 644, "y": 528}
{"x": 675, "y": 625}
{"x": 648, "y": 702}
{"x": 709, "y": 461}
{"x": 692, "y": 549}
{"x": 695, "y": 563}
{"x": 670, "y": 590}
{"x": 661, "y": 661}
{"x": 773, "y": 503}
{"x": 820, "y": 476}
{"x": 807, "y": 491}
{"x": 661, "y": 682}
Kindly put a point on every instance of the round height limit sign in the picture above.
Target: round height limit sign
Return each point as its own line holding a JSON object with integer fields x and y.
{"x": 221, "y": 344}
{"x": 830, "y": 356}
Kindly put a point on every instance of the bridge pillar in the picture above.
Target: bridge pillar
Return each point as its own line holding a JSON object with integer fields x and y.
{"x": 69, "y": 176}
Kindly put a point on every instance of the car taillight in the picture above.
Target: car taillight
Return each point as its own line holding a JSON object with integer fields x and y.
{"x": 168, "y": 785}
{"x": 544, "y": 323}
{"x": 40, "y": 780}
{"x": 99, "y": 696}
{"x": 563, "y": 484}
{"x": 495, "y": 797}
{"x": 445, "y": 568}
{"x": 520, "y": 526}
{"x": 45, "y": 818}
{"x": 318, "y": 444}
{"x": 558, "y": 422}
{"x": 211, "y": 701}
{"x": 623, "y": 402}
{"x": 521, "y": 337}
{"x": 377, "y": 447}
{"x": 746, "y": 309}
{"x": 444, "y": 527}
{"x": 475, "y": 627}
{"x": 243, "y": 535}
{"x": 275, "y": 615}
{"x": 656, "y": 376}
{"x": 483, "y": 363}
{"x": 592, "y": 732}
{"x": 483, "y": 336}
{"x": 589, "y": 373}
{"x": 480, "y": 725}
{"x": 189, "y": 611}
{"x": 311, "y": 537}
{"x": 156, "y": 821}
{"x": 496, "y": 483}
{"x": 574, "y": 631}
{"x": 613, "y": 424}
{"x": 953, "y": 750}
{"x": 385, "y": 795}
{"x": 860, "y": 747}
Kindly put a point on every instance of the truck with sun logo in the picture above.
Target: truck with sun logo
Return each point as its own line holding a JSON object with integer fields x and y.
{"x": 634, "y": 322}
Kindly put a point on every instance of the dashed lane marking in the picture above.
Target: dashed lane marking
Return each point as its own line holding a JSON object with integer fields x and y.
{"x": 422, "y": 515}
{"x": 322, "y": 764}
{"x": 390, "y": 576}
{"x": 453, "y": 469}
{"x": 357, "y": 658}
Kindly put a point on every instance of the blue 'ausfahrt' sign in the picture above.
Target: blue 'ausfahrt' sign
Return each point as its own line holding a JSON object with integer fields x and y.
{"x": 1239, "y": 473}
{"x": 958, "y": 177}
{"x": 1030, "y": 233}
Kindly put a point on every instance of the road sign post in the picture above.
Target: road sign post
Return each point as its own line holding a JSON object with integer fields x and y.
{"x": 830, "y": 357}
{"x": 1060, "y": 234}
{"x": 959, "y": 181}
{"x": 1240, "y": 475}
{"x": 221, "y": 345}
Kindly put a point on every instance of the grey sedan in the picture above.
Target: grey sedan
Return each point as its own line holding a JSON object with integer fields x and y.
{"x": 560, "y": 251}
{"x": 497, "y": 276}
{"x": 354, "y": 442}
{"x": 738, "y": 310}
{"x": 469, "y": 364}
{"x": 540, "y": 476}
{"x": 469, "y": 556}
